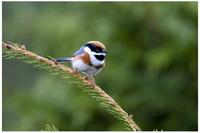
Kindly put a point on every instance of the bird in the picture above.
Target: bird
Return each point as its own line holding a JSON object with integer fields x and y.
{"x": 89, "y": 59}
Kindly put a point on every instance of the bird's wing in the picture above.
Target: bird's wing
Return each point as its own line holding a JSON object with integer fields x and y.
{"x": 79, "y": 52}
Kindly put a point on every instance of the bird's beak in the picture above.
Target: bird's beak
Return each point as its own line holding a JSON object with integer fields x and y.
{"x": 105, "y": 52}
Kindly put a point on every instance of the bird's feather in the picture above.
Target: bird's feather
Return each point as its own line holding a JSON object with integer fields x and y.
{"x": 63, "y": 59}
{"x": 79, "y": 52}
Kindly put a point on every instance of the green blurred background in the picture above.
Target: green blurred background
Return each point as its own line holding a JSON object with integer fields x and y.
{"x": 151, "y": 67}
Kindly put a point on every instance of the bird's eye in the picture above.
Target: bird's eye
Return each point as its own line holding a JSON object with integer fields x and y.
{"x": 94, "y": 48}
{"x": 98, "y": 50}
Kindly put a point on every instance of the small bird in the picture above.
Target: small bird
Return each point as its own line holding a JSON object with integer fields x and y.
{"x": 89, "y": 59}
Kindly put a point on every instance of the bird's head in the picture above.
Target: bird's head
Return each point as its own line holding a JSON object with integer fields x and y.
{"x": 96, "y": 50}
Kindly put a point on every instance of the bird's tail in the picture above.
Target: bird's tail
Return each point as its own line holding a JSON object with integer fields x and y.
{"x": 63, "y": 59}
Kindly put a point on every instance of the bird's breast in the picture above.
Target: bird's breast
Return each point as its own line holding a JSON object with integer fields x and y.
{"x": 79, "y": 64}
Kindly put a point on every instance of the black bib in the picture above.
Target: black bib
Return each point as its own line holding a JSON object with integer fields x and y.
{"x": 100, "y": 57}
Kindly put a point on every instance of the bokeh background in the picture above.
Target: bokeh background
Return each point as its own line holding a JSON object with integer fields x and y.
{"x": 151, "y": 67}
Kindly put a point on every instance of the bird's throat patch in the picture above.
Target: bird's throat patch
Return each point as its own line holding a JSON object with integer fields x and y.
{"x": 100, "y": 57}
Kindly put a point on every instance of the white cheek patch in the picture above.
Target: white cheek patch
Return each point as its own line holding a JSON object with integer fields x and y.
{"x": 104, "y": 54}
{"x": 86, "y": 49}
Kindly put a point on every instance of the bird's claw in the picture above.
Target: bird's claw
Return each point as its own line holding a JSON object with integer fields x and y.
{"x": 75, "y": 71}
{"x": 91, "y": 80}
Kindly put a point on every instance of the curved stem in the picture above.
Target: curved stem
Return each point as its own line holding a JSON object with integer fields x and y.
{"x": 108, "y": 100}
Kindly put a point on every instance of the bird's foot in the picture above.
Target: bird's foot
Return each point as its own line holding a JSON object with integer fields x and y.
{"x": 91, "y": 80}
{"x": 75, "y": 71}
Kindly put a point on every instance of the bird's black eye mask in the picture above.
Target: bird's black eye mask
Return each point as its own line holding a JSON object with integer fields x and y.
{"x": 94, "y": 48}
{"x": 100, "y": 57}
